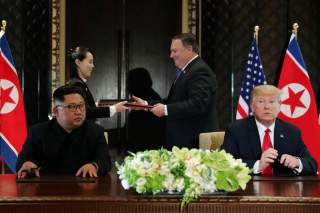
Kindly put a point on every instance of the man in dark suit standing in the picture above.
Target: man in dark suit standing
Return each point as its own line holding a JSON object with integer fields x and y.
{"x": 190, "y": 107}
{"x": 67, "y": 144}
{"x": 268, "y": 145}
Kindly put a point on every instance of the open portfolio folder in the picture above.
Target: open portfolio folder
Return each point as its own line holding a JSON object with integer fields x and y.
{"x": 133, "y": 105}
{"x": 56, "y": 179}
{"x": 107, "y": 103}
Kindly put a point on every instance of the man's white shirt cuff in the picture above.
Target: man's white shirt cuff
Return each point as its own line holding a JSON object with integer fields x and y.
{"x": 256, "y": 169}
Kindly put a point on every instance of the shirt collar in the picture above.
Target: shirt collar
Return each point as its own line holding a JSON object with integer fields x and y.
{"x": 263, "y": 128}
{"x": 76, "y": 134}
{"x": 83, "y": 79}
{"x": 184, "y": 67}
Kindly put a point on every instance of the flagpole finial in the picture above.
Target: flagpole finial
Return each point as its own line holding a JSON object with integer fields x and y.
{"x": 256, "y": 32}
{"x": 3, "y": 25}
{"x": 295, "y": 27}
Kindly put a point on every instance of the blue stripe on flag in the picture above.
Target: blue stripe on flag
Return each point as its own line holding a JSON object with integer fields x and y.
{"x": 4, "y": 45}
{"x": 11, "y": 157}
{"x": 294, "y": 49}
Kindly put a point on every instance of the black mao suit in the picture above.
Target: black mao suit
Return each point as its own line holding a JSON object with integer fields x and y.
{"x": 191, "y": 105}
{"x": 50, "y": 147}
{"x": 242, "y": 141}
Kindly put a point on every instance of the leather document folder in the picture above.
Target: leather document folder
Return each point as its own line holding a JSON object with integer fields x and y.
{"x": 55, "y": 179}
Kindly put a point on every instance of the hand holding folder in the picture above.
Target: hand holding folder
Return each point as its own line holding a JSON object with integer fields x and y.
{"x": 138, "y": 104}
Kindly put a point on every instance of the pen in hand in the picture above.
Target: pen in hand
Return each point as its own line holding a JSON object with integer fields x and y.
{"x": 29, "y": 173}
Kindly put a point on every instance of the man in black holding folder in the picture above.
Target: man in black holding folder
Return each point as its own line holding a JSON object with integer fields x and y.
{"x": 190, "y": 107}
{"x": 67, "y": 144}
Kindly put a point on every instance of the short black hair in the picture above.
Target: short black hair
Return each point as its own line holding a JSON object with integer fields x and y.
{"x": 60, "y": 92}
{"x": 188, "y": 39}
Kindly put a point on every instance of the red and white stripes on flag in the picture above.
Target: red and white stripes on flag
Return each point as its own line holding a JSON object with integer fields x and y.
{"x": 252, "y": 76}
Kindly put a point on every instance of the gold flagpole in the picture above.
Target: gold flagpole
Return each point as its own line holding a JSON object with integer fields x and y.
{"x": 3, "y": 25}
{"x": 3, "y": 28}
{"x": 256, "y": 32}
{"x": 295, "y": 27}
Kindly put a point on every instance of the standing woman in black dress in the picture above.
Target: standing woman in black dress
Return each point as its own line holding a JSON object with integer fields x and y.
{"x": 81, "y": 67}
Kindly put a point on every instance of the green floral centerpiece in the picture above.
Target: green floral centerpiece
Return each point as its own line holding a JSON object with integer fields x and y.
{"x": 190, "y": 172}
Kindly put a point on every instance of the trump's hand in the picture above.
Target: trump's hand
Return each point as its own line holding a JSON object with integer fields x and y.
{"x": 289, "y": 161}
{"x": 87, "y": 169}
{"x": 268, "y": 157}
{"x": 28, "y": 167}
{"x": 158, "y": 110}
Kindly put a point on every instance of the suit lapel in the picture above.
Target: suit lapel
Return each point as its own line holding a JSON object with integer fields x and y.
{"x": 174, "y": 84}
{"x": 183, "y": 75}
{"x": 254, "y": 138}
{"x": 279, "y": 138}
{"x": 171, "y": 90}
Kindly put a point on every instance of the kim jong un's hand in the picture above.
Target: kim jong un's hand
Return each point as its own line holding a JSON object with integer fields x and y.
{"x": 28, "y": 167}
{"x": 87, "y": 169}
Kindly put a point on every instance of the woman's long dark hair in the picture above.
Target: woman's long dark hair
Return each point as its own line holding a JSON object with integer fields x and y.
{"x": 76, "y": 53}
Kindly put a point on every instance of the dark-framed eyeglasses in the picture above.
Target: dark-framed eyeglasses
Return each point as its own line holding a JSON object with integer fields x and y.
{"x": 73, "y": 107}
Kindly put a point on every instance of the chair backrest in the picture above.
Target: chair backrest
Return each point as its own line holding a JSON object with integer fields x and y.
{"x": 211, "y": 140}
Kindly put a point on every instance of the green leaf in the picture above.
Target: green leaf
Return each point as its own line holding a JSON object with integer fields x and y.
{"x": 227, "y": 180}
{"x": 155, "y": 182}
{"x": 216, "y": 160}
{"x": 179, "y": 170}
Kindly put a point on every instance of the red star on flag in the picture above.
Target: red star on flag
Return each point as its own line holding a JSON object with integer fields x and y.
{"x": 294, "y": 100}
{"x": 5, "y": 96}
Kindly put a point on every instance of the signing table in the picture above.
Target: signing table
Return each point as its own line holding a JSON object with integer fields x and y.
{"x": 105, "y": 194}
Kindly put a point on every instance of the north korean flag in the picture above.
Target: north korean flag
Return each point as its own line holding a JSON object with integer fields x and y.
{"x": 298, "y": 100}
{"x": 13, "y": 128}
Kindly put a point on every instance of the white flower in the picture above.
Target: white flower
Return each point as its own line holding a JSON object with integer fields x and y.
{"x": 191, "y": 172}
{"x": 168, "y": 183}
{"x": 179, "y": 184}
{"x": 141, "y": 182}
{"x": 125, "y": 184}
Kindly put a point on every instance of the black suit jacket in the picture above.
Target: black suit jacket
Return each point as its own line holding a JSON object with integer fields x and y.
{"x": 191, "y": 105}
{"x": 92, "y": 111}
{"x": 50, "y": 147}
{"x": 242, "y": 141}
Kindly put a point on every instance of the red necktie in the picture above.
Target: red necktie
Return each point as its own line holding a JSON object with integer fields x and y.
{"x": 266, "y": 144}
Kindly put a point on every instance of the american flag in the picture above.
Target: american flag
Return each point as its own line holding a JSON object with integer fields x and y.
{"x": 252, "y": 77}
